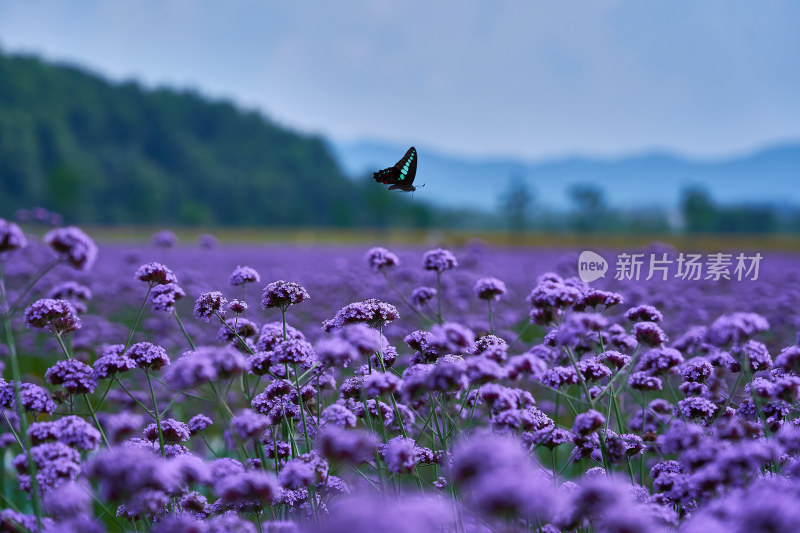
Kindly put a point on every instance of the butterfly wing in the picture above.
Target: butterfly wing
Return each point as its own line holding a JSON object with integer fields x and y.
{"x": 402, "y": 174}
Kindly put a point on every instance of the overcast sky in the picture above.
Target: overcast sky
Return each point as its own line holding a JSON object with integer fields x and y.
{"x": 476, "y": 77}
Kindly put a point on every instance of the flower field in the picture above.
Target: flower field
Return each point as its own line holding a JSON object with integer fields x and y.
{"x": 204, "y": 387}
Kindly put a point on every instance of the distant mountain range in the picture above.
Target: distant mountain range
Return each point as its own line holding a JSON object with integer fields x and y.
{"x": 769, "y": 176}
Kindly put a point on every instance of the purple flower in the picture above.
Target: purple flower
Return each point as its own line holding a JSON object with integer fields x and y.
{"x": 70, "y": 290}
{"x": 481, "y": 370}
{"x": 336, "y": 352}
{"x": 279, "y": 401}
{"x": 375, "y": 513}
{"x": 191, "y": 370}
{"x": 559, "y": 376}
{"x": 789, "y": 359}
{"x": 75, "y": 377}
{"x": 372, "y": 312}
{"x": 124, "y": 471}
{"x": 294, "y": 352}
{"x": 527, "y": 364}
{"x": 74, "y": 246}
{"x": 34, "y": 398}
{"x": 207, "y": 241}
{"x": 593, "y": 369}
{"x": 163, "y": 297}
{"x": 338, "y": 415}
{"x": 272, "y": 333}
{"x": 248, "y": 424}
{"x": 237, "y": 306}
{"x": 588, "y": 422}
{"x": 449, "y": 374}
{"x": 489, "y": 288}
{"x": 70, "y": 430}
{"x": 253, "y": 485}
{"x": 696, "y": 408}
{"x": 57, "y": 315}
{"x": 69, "y": 500}
{"x": 199, "y": 423}
{"x": 643, "y": 381}
{"x": 155, "y": 274}
{"x": 242, "y": 275}
{"x": 422, "y": 295}
{"x": 209, "y": 304}
{"x": 616, "y": 359}
{"x": 11, "y": 236}
{"x": 501, "y": 398}
{"x": 282, "y": 294}
{"x": 596, "y": 297}
{"x": 148, "y": 356}
{"x": 400, "y": 455}
{"x": 119, "y": 426}
{"x": 113, "y": 360}
{"x": 622, "y": 447}
{"x": 550, "y": 296}
{"x": 349, "y": 446}
{"x": 164, "y": 239}
{"x": 498, "y": 479}
{"x": 11, "y": 520}
{"x": 56, "y": 463}
{"x": 234, "y": 327}
{"x": 380, "y": 258}
{"x": 644, "y": 313}
{"x": 649, "y": 333}
{"x": 551, "y": 437}
{"x": 736, "y": 328}
{"x": 450, "y": 337}
{"x": 659, "y": 361}
{"x": 439, "y": 260}
{"x": 696, "y": 370}
{"x": 758, "y": 355}
{"x": 172, "y": 430}
{"x": 379, "y": 383}
{"x": 303, "y": 471}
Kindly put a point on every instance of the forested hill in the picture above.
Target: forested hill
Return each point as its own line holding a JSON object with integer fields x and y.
{"x": 101, "y": 152}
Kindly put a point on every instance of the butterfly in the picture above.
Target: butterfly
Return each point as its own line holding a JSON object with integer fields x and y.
{"x": 401, "y": 175}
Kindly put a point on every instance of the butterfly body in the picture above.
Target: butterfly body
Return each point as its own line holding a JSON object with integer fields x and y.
{"x": 400, "y": 177}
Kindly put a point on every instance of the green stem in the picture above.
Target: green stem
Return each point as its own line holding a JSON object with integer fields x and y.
{"x": 158, "y": 415}
{"x": 138, "y": 317}
{"x": 491, "y": 318}
{"x": 402, "y": 297}
{"x": 33, "y": 281}
{"x": 302, "y": 407}
{"x": 94, "y": 418}
{"x": 439, "y": 317}
{"x": 134, "y": 398}
{"x": 183, "y": 330}
{"x": 23, "y": 420}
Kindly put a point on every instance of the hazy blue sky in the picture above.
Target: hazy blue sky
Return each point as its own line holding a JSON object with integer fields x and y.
{"x": 528, "y": 78}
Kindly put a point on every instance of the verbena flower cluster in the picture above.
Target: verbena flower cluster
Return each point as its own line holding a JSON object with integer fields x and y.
{"x": 530, "y": 401}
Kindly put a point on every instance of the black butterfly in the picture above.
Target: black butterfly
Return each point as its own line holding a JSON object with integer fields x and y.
{"x": 401, "y": 176}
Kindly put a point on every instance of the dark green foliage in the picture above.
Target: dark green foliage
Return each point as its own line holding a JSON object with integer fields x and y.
{"x": 702, "y": 215}
{"x": 515, "y": 204}
{"x": 99, "y": 152}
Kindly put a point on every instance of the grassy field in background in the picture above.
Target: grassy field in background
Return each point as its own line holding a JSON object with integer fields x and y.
{"x": 328, "y": 236}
